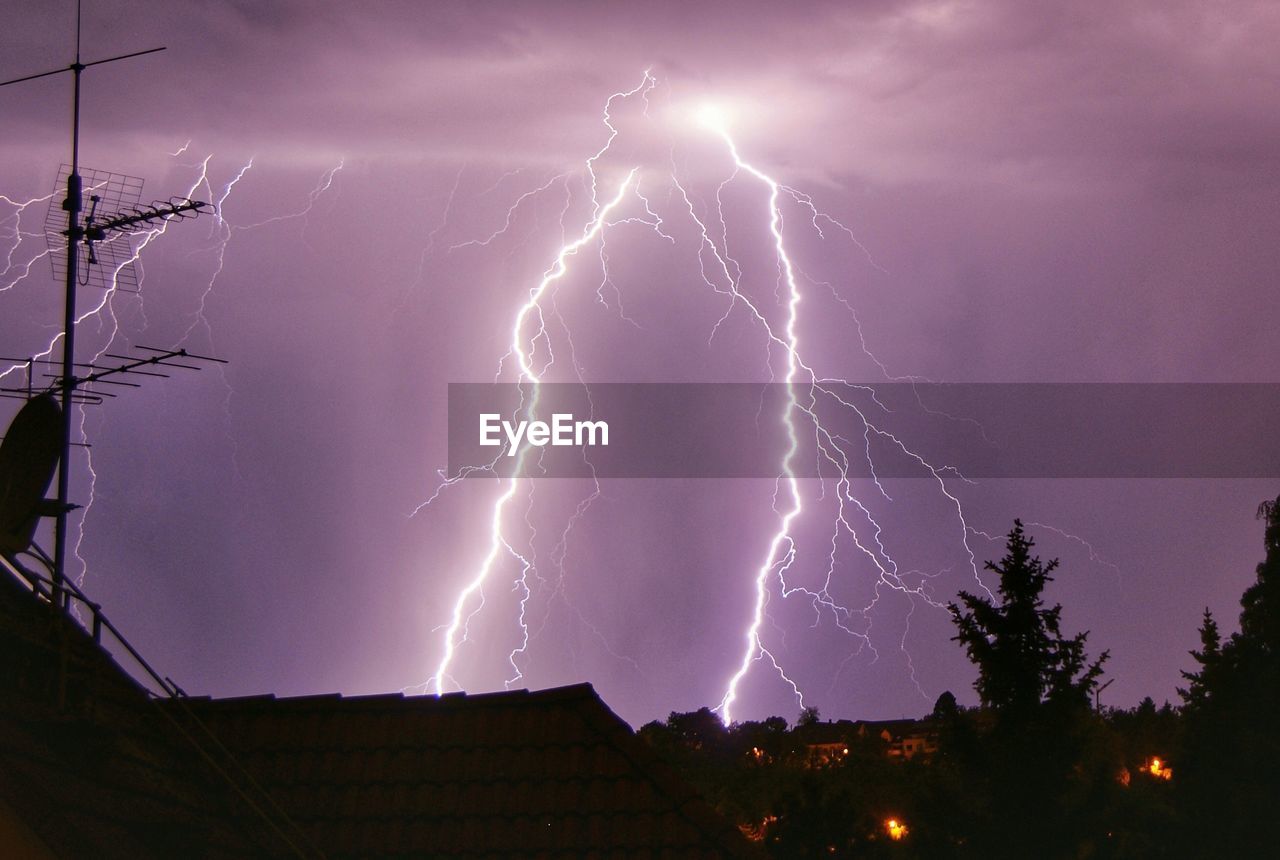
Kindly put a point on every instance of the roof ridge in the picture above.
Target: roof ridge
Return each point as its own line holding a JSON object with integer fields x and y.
{"x": 566, "y": 693}
{"x": 689, "y": 804}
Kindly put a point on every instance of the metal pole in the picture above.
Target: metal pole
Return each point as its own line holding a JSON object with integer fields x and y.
{"x": 74, "y": 233}
{"x": 1097, "y": 695}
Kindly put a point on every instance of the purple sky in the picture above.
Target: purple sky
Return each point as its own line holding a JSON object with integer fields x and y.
{"x": 1077, "y": 194}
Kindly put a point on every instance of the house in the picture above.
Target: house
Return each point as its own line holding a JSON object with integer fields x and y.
{"x": 93, "y": 764}
{"x": 829, "y": 742}
{"x": 904, "y": 739}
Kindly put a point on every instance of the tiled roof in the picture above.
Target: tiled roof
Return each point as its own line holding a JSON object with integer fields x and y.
{"x": 898, "y": 728}
{"x": 520, "y": 774}
{"x": 93, "y": 766}
{"x": 88, "y": 763}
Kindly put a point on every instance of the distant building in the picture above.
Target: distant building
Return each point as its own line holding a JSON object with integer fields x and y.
{"x": 92, "y": 765}
{"x": 829, "y": 742}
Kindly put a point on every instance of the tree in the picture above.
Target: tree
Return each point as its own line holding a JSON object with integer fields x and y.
{"x": 1260, "y": 603}
{"x": 945, "y": 707}
{"x": 1196, "y": 693}
{"x": 1230, "y": 774}
{"x": 695, "y": 730}
{"x": 1028, "y": 761}
{"x": 1022, "y": 657}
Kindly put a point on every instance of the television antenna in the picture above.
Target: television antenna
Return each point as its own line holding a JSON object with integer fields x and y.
{"x": 1097, "y": 694}
{"x": 93, "y": 230}
{"x": 29, "y": 450}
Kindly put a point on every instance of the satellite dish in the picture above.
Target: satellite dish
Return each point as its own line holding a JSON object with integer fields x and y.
{"x": 28, "y": 459}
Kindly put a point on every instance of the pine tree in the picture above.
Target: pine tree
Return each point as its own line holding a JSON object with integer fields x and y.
{"x": 1260, "y": 615}
{"x": 1196, "y": 694}
{"x": 1231, "y": 774}
{"x": 1022, "y": 657}
{"x": 1025, "y": 773}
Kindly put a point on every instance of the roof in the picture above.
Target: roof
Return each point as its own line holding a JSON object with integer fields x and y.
{"x": 842, "y": 731}
{"x": 530, "y": 774}
{"x": 88, "y": 763}
{"x": 93, "y": 765}
{"x": 899, "y": 728}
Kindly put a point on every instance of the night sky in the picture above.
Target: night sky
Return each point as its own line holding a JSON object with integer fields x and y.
{"x": 1031, "y": 194}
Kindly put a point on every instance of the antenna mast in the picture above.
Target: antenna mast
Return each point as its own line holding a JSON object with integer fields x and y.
{"x": 77, "y": 232}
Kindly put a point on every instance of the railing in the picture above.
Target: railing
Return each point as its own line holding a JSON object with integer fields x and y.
{"x": 42, "y": 587}
{"x": 206, "y": 744}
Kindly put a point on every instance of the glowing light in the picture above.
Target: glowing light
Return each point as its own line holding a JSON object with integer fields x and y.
{"x": 895, "y": 828}
{"x": 713, "y": 115}
{"x": 758, "y": 832}
{"x": 1158, "y": 768}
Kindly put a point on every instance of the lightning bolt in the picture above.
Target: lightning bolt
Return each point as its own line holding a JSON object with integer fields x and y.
{"x": 799, "y": 376}
{"x": 721, "y": 272}
{"x": 523, "y": 352}
{"x": 222, "y": 232}
{"x": 781, "y": 552}
{"x": 1092, "y": 553}
{"x": 8, "y": 278}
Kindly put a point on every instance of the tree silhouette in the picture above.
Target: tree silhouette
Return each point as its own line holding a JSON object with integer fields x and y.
{"x": 1260, "y": 614}
{"x": 1230, "y": 776}
{"x": 1022, "y": 657}
{"x": 945, "y": 707}
{"x": 808, "y": 717}
{"x": 1024, "y": 759}
{"x": 1196, "y": 693}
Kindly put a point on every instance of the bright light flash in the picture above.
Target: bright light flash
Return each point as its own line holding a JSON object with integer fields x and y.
{"x": 713, "y": 115}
